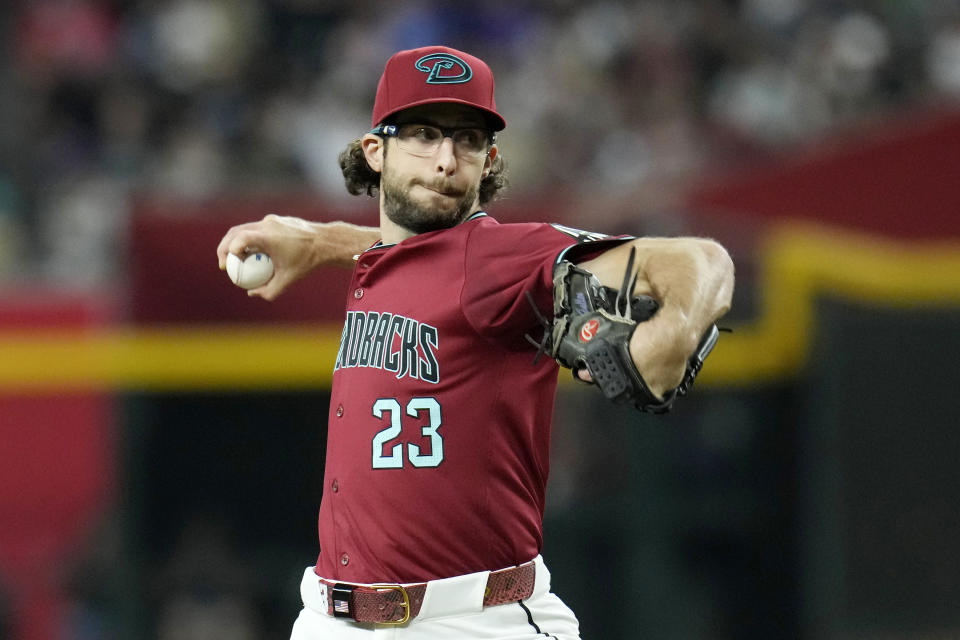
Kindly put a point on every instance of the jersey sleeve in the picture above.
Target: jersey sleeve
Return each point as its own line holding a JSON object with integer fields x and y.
{"x": 504, "y": 262}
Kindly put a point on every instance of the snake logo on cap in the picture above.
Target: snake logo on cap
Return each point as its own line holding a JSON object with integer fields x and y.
{"x": 444, "y": 68}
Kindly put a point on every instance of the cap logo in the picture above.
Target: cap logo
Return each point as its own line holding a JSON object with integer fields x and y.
{"x": 444, "y": 68}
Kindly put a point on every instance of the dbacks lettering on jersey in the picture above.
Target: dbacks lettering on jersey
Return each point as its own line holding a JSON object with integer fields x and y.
{"x": 390, "y": 342}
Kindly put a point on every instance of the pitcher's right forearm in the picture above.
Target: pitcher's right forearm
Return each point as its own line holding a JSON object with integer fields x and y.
{"x": 336, "y": 243}
{"x": 296, "y": 246}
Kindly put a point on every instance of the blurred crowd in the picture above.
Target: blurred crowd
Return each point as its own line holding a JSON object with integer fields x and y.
{"x": 610, "y": 102}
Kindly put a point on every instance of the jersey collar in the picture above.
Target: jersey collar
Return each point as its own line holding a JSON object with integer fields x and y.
{"x": 379, "y": 245}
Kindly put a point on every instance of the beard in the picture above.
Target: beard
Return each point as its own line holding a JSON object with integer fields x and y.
{"x": 417, "y": 217}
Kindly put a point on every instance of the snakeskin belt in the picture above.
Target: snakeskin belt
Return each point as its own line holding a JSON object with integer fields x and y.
{"x": 398, "y": 604}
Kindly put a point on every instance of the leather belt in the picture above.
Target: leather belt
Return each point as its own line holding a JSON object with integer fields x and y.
{"x": 398, "y": 604}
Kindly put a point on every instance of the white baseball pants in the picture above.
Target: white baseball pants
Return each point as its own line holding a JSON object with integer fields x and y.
{"x": 445, "y": 615}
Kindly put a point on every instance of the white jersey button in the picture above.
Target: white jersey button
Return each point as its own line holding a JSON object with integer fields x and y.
{"x": 344, "y": 559}
{"x": 358, "y": 293}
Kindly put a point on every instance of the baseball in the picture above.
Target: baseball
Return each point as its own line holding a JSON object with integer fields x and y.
{"x": 250, "y": 272}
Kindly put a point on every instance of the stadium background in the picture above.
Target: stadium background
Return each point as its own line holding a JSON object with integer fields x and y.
{"x": 161, "y": 435}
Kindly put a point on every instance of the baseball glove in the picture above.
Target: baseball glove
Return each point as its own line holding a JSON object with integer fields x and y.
{"x": 591, "y": 328}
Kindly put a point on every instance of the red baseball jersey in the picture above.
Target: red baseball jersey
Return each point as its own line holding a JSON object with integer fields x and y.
{"x": 439, "y": 427}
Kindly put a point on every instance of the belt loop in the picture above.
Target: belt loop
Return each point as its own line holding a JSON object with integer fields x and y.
{"x": 459, "y": 595}
{"x": 542, "y": 583}
{"x": 342, "y": 597}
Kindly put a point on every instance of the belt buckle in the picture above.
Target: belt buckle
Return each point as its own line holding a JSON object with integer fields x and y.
{"x": 405, "y": 604}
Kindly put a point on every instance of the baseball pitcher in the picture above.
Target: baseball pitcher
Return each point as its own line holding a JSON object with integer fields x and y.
{"x": 430, "y": 525}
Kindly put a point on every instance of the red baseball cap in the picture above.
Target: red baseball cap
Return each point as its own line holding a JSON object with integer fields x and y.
{"x": 435, "y": 74}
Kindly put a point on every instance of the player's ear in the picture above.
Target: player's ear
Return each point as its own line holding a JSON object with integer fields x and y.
{"x": 373, "y": 151}
{"x": 488, "y": 161}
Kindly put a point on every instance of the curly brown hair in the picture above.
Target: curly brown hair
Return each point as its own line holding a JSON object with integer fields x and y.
{"x": 361, "y": 179}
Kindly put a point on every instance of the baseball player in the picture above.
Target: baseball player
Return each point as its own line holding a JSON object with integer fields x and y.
{"x": 430, "y": 525}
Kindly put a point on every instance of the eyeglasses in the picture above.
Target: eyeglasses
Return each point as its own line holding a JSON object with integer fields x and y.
{"x": 425, "y": 139}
